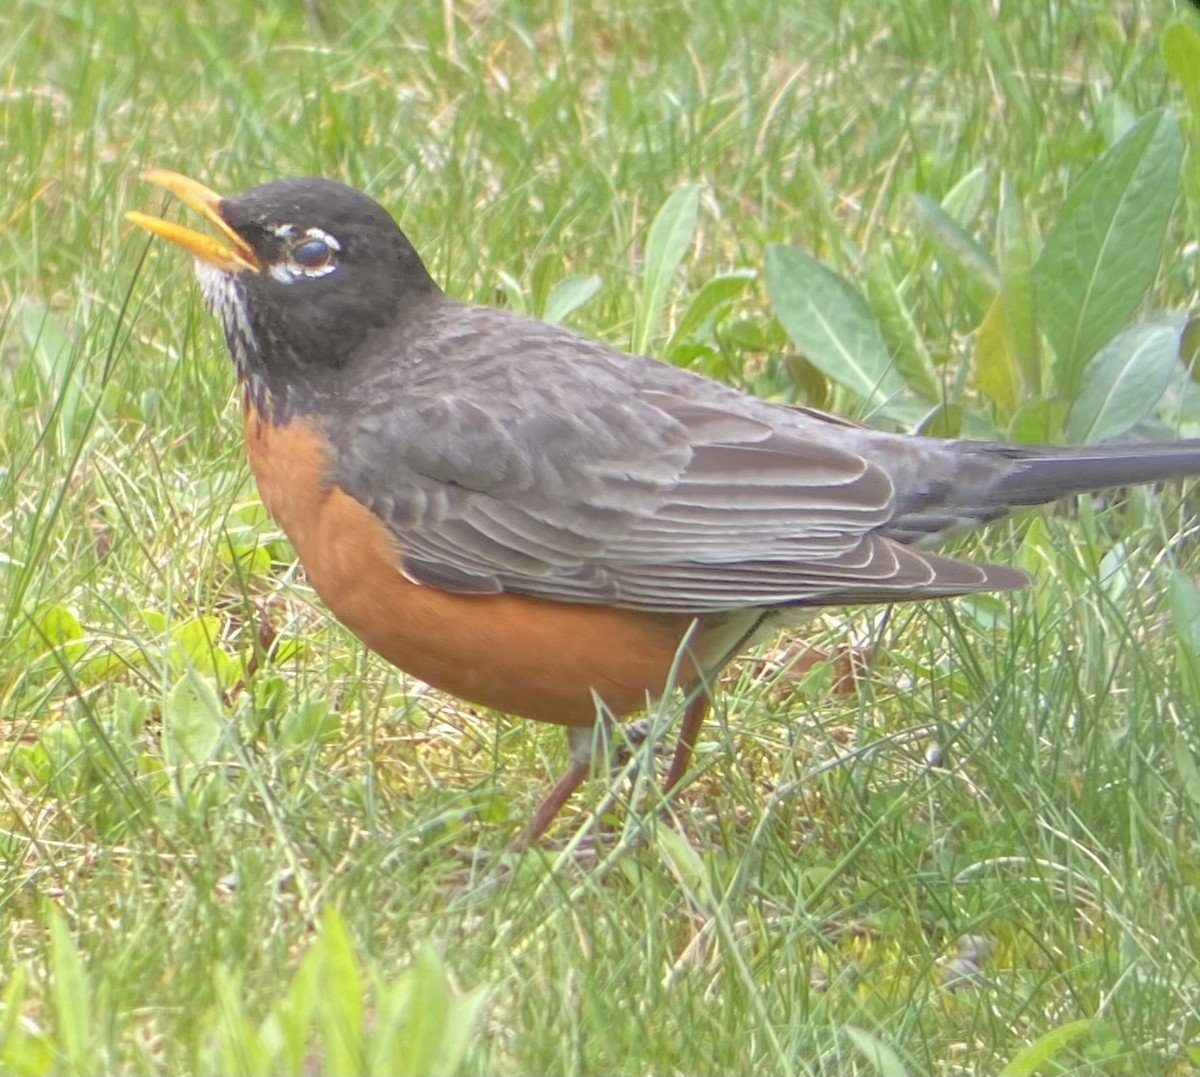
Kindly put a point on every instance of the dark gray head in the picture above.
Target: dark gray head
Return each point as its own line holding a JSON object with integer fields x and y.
{"x": 332, "y": 266}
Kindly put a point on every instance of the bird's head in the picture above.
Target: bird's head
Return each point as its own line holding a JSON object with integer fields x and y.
{"x": 301, "y": 271}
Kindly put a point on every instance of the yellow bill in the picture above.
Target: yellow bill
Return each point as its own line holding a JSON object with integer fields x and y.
{"x": 232, "y": 256}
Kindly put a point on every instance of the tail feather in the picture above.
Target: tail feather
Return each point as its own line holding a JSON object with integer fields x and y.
{"x": 956, "y": 486}
{"x": 1040, "y": 475}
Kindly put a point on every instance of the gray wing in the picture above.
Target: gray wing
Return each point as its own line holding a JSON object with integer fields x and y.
{"x": 549, "y": 466}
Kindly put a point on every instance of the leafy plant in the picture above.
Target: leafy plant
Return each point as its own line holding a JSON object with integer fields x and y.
{"x": 1054, "y": 356}
{"x": 337, "y": 1015}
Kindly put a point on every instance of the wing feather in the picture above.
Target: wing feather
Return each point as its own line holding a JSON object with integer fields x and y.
{"x": 550, "y": 466}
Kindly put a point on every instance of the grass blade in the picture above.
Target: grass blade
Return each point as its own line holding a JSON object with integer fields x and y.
{"x": 1033, "y": 1058}
{"x": 881, "y": 1058}
{"x": 72, "y": 1003}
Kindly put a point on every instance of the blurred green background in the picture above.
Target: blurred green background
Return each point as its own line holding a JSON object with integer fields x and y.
{"x": 199, "y": 767}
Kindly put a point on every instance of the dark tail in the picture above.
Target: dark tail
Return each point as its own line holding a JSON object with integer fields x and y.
{"x": 955, "y": 486}
{"x": 1038, "y": 475}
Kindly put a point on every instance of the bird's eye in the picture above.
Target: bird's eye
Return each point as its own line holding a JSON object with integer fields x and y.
{"x": 312, "y": 253}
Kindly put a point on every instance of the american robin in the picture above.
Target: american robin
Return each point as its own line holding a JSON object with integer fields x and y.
{"x": 535, "y": 522}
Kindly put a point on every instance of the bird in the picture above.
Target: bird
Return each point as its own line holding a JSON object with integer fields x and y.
{"x": 540, "y": 524}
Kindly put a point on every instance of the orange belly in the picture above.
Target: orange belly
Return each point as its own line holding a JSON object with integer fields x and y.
{"x": 537, "y": 659}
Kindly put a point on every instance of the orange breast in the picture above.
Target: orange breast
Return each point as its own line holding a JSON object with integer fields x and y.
{"x": 533, "y": 658}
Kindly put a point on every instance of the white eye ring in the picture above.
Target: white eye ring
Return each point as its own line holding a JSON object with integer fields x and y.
{"x": 311, "y": 253}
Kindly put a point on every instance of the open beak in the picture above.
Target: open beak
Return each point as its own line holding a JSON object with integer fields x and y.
{"x": 232, "y": 256}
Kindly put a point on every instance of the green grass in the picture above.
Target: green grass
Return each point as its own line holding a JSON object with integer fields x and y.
{"x": 179, "y": 811}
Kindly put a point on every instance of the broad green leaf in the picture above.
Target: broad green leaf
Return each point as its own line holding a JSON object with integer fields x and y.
{"x": 193, "y": 642}
{"x": 667, "y": 242}
{"x": 59, "y": 627}
{"x": 1039, "y": 422}
{"x": 1101, "y": 257}
{"x": 995, "y": 365}
{"x": 1189, "y": 348}
{"x": 1117, "y": 117}
{"x": 1185, "y": 609}
{"x": 129, "y": 711}
{"x": 1033, "y": 1059}
{"x": 1124, "y": 382}
{"x": 687, "y": 866}
{"x": 900, "y": 333}
{"x": 944, "y": 421}
{"x": 830, "y": 321}
{"x": 154, "y": 620}
{"x": 881, "y": 1058}
{"x": 970, "y": 267}
{"x": 1181, "y": 51}
{"x": 965, "y": 199}
{"x": 193, "y": 720}
{"x": 247, "y": 534}
{"x": 241, "y": 547}
{"x": 714, "y": 298}
{"x": 808, "y": 379}
{"x": 310, "y": 721}
{"x": 195, "y": 645}
{"x": 1016, "y": 288}
{"x": 567, "y": 296}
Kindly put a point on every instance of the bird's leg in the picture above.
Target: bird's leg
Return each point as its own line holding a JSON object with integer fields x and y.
{"x": 580, "y": 739}
{"x": 689, "y": 730}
